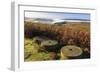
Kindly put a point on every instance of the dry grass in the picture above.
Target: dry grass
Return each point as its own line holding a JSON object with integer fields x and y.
{"x": 78, "y": 34}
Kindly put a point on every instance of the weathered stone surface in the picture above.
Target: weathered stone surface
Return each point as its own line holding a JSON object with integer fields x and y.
{"x": 70, "y": 51}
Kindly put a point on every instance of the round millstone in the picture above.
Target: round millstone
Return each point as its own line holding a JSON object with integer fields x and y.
{"x": 71, "y": 51}
{"x": 49, "y": 43}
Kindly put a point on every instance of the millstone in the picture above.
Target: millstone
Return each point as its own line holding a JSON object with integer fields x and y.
{"x": 71, "y": 51}
{"x": 49, "y": 43}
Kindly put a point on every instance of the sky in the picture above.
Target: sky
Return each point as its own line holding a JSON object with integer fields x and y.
{"x": 57, "y": 15}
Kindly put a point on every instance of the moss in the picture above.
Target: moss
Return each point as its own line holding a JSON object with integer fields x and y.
{"x": 39, "y": 57}
{"x": 34, "y": 51}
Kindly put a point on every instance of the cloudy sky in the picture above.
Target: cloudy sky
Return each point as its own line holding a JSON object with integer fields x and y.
{"x": 57, "y": 15}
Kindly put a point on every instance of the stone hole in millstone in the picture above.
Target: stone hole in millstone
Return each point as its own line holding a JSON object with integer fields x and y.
{"x": 49, "y": 41}
{"x": 70, "y": 50}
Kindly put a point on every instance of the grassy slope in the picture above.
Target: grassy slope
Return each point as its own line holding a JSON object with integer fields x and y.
{"x": 33, "y": 48}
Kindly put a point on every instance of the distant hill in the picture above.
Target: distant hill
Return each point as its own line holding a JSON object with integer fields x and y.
{"x": 54, "y": 21}
{"x": 76, "y": 20}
